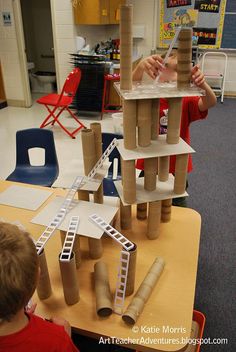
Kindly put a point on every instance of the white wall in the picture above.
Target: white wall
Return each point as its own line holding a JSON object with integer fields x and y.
{"x": 64, "y": 37}
{"x": 9, "y": 56}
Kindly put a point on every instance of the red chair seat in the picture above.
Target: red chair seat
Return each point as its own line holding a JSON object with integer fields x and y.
{"x": 61, "y": 102}
{"x": 52, "y": 99}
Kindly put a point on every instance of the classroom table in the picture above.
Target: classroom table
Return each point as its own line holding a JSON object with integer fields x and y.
{"x": 167, "y": 316}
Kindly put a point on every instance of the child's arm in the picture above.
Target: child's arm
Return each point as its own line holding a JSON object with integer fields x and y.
{"x": 62, "y": 322}
{"x": 151, "y": 65}
{"x": 209, "y": 100}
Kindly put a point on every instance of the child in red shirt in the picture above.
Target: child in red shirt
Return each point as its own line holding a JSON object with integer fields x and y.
{"x": 19, "y": 269}
{"x": 193, "y": 108}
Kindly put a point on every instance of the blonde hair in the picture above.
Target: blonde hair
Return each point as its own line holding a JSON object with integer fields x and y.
{"x": 18, "y": 269}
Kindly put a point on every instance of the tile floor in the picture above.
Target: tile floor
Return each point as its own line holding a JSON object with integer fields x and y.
{"x": 69, "y": 151}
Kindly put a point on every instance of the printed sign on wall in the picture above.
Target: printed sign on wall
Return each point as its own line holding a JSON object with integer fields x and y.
{"x": 206, "y": 36}
{"x": 177, "y": 3}
{"x": 6, "y": 16}
{"x": 207, "y": 5}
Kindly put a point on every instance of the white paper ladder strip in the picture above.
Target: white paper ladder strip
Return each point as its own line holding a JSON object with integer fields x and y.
{"x": 112, "y": 232}
{"x": 100, "y": 162}
{"x": 58, "y": 218}
{"x": 69, "y": 240}
{"x": 121, "y": 282}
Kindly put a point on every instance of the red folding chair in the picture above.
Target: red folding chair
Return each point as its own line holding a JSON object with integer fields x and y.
{"x": 61, "y": 102}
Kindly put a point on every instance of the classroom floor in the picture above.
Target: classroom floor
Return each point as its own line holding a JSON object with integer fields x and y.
{"x": 69, "y": 151}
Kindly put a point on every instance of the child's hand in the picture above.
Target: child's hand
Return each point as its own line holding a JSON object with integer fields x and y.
{"x": 151, "y": 65}
{"x": 62, "y": 322}
{"x": 197, "y": 76}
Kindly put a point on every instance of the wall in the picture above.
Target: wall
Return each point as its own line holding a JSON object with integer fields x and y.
{"x": 38, "y": 33}
{"x": 64, "y": 37}
{"x": 9, "y": 58}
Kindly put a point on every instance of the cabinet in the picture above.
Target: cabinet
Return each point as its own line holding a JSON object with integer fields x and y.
{"x": 97, "y": 11}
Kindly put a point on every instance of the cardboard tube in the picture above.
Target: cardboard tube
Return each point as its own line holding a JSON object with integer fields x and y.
{"x": 102, "y": 290}
{"x": 166, "y": 210}
{"x": 69, "y": 280}
{"x": 144, "y": 122}
{"x": 129, "y": 181}
{"x": 44, "y": 288}
{"x": 131, "y": 271}
{"x": 181, "y": 168}
{"x": 89, "y": 151}
{"x": 174, "y": 120}
{"x": 154, "y": 220}
{"x": 184, "y": 55}
{"x": 150, "y": 174}
{"x": 155, "y": 122}
{"x": 83, "y": 195}
{"x": 129, "y": 123}
{"x": 76, "y": 247}
{"x": 125, "y": 216}
{"x": 143, "y": 293}
{"x": 126, "y": 47}
{"x": 95, "y": 248}
{"x": 163, "y": 168}
{"x": 142, "y": 211}
{"x": 96, "y": 128}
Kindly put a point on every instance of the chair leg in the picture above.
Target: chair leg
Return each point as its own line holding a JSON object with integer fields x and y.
{"x": 51, "y": 114}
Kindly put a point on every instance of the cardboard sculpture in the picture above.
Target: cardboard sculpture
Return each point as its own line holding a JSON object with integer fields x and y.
{"x": 141, "y": 103}
{"x": 92, "y": 144}
{"x": 69, "y": 280}
{"x": 44, "y": 288}
{"x": 125, "y": 216}
{"x": 102, "y": 290}
{"x": 143, "y": 293}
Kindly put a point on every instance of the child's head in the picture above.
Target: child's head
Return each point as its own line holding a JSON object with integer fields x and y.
{"x": 170, "y": 72}
{"x": 18, "y": 270}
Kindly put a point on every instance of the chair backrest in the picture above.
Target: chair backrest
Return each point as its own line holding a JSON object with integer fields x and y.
{"x": 35, "y": 138}
{"x": 106, "y": 140}
{"x": 72, "y": 82}
{"x": 214, "y": 63}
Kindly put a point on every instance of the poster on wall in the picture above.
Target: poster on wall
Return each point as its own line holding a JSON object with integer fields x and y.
{"x": 206, "y": 19}
{"x": 177, "y": 3}
{"x": 207, "y": 5}
{"x": 206, "y": 36}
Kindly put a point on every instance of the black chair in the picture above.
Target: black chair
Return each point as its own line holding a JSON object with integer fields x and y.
{"x": 44, "y": 175}
{"x": 109, "y": 188}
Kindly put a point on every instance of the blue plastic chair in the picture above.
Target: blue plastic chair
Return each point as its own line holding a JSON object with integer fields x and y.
{"x": 44, "y": 175}
{"x": 109, "y": 188}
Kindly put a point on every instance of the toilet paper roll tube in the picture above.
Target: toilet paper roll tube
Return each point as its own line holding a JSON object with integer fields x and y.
{"x": 69, "y": 280}
{"x": 143, "y": 293}
{"x": 95, "y": 248}
{"x": 102, "y": 290}
{"x": 44, "y": 288}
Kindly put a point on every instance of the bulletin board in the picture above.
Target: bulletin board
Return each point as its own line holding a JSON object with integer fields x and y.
{"x": 206, "y": 17}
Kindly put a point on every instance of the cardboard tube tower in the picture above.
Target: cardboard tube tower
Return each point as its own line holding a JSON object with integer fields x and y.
{"x": 181, "y": 168}
{"x": 166, "y": 210}
{"x": 142, "y": 211}
{"x": 163, "y": 168}
{"x": 69, "y": 280}
{"x": 95, "y": 248}
{"x": 126, "y": 46}
{"x": 184, "y": 58}
{"x": 76, "y": 248}
{"x": 125, "y": 216}
{"x": 174, "y": 119}
{"x": 102, "y": 290}
{"x": 143, "y": 293}
{"x": 129, "y": 181}
{"x": 144, "y": 122}
{"x": 154, "y": 219}
{"x": 131, "y": 271}
{"x": 150, "y": 174}
{"x": 129, "y": 123}
{"x": 44, "y": 288}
